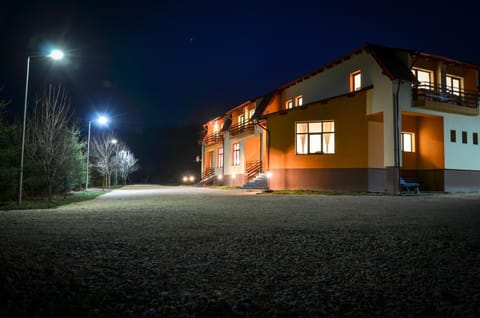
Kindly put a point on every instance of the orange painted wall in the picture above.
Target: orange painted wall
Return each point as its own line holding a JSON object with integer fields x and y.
{"x": 252, "y": 149}
{"x": 351, "y": 134}
{"x": 428, "y": 142}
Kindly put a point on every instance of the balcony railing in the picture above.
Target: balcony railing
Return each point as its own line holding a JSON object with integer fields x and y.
{"x": 437, "y": 93}
{"x": 241, "y": 128}
{"x": 212, "y": 138}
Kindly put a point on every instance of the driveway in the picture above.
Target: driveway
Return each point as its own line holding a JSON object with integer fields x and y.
{"x": 158, "y": 251}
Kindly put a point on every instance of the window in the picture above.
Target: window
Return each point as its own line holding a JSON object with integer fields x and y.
{"x": 475, "y": 138}
{"x": 453, "y": 136}
{"x": 423, "y": 77}
{"x": 289, "y": 104}
{"x": 241, "y": 119}
{"x": 408, "y": 142}
{"x": 315, "y": 137}
{"x": 299, "y": 100}
{"x": 464, "y": 137}
{"x": 250, "y": 113}
{"x": 220, "y": 158}
{"x": 453, "y": 85}
{"x": 355, "y": 81}
{"x": 236, "y": 154}
{"x": 215, "y": 127}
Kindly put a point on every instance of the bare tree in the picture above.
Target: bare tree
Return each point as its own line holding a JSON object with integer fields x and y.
{"x": 49, "y": 133}
{"x": 103, "y": 150}
{"x": 125, "y": 162}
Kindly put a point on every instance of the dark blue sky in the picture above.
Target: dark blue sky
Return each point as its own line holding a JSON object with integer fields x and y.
{"x": 182, "y": 62}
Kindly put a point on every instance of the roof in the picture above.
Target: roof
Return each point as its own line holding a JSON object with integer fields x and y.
{"x": 390, "y": 62}
{"x": 262, "y": 106}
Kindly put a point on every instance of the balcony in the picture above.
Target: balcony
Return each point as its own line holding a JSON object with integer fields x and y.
{"x": 212, "y": 138}
{"x": 434, "y": 97}
{"x": 241, "y": 128}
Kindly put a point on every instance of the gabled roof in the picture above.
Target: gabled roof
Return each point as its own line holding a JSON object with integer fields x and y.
{"x": 390, "y": 62}
{"x": 262, "y": 106}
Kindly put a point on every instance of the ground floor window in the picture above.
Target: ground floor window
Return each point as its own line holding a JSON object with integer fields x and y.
{"x": 220, "y": 158}
{"x": 408, "y": 142}
{"x": 236, "y": 154}
{"x": 316, "y": 137}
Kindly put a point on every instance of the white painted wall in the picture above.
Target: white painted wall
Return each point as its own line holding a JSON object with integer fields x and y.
{"x": 459, "y": 155}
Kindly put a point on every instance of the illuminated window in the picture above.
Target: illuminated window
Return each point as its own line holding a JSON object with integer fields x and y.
{"x": 355, "y": 81}
{"x": 251, "y": 112}
{"x": 464, "y": 137}
{"x": 424, "y": 78}
{"x": 236, "y": 154}
{"x": 315, "y": 137}
{"x": 299, "y": 100}
{"x": 475, "y": 138}
{"x": 453, "y": 136}
{"x": 215, "y": 127}
{"x": 220, "y": 158}
{"x": 453, "y": 85}
{"x": 289, "y": 104}
{"x": 241, "y": 119}
{"x": 408, "y": 142}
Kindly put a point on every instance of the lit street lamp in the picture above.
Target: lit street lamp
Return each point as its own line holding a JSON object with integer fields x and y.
{"x": 102, "y": 121}
{"x": 55, "y": 55}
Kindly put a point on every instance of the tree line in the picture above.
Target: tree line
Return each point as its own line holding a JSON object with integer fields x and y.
{"x": 55, "y": 153}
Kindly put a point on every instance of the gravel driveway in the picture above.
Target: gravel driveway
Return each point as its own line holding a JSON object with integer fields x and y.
{"x": 199, "y": 252}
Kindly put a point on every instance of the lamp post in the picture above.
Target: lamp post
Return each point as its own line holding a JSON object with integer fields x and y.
{"x": 101, "y": 120}
{"x": 54, "y": 55}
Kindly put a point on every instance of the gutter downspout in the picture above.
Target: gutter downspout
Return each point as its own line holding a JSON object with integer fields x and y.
{"x": 396, "y": 143}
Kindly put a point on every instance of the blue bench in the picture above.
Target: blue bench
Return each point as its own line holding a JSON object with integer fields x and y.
{"x": 409, "y": 186}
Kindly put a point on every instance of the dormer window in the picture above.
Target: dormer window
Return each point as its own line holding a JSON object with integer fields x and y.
{"x": 355, "y": 81}
{"x": 298, "y": 101}
{"x": 289, "y": 104}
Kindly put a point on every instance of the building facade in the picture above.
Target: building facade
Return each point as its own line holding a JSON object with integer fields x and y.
{"x": 360, "y": 123}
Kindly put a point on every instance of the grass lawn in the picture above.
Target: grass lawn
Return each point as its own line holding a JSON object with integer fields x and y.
{"x": 42, "y": 203}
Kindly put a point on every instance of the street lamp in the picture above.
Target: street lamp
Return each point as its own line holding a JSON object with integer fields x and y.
{"x": 102, "y": 121}
{"x": 55, "y": 55}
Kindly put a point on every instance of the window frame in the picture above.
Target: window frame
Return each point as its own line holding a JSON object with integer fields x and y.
{"x": 475, "y": 138}
{"x": 220, "y": 157}
{"x": 299, "y": 101}
{"x": 236, "y": 154}
{"x": 449, "y": 84}
{"x": 353, "y": 81}
{"x": 464, "y": 137}
{"x": 453, "y": 135}
{"x": 412, "y": 141}
{"x": 289, "y": 104}
{"x": 429, "y": 85}
{"x": 308, "y": 137}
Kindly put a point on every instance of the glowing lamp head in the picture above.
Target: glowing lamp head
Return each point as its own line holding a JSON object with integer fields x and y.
{"x": 56, "y": 55}
{"x": 102, "y": 120}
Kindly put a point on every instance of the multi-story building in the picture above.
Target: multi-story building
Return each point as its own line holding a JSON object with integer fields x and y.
{"x": 360, "y": 123}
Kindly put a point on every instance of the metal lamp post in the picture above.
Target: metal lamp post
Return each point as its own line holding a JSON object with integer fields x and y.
{"x": 55, "y": 55}
{"x": 101, "y": 120}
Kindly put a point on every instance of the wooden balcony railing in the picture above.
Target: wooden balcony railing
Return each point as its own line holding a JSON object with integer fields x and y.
{"x": 241, "y": 128}
{"x": 433, "y": 92}
{"x": 212, "y": 138}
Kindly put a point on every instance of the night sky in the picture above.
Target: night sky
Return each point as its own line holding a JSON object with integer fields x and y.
{"x": 158, "y": 66}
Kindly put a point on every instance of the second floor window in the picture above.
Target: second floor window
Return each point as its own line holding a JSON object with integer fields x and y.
{"x": 289, "y": 104}
{"x": 424, "y": 78}
{"x": 298, "y": 101}
{"x": 316, "y": 137}
{"x": 453, "y": 85}
{"x": 355, "y": 81}
{"x": 241, "y": 119}
{"x": 250, "y": 113}
{"x": 236, "y": 154}
{"x": 220, "y": 158}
